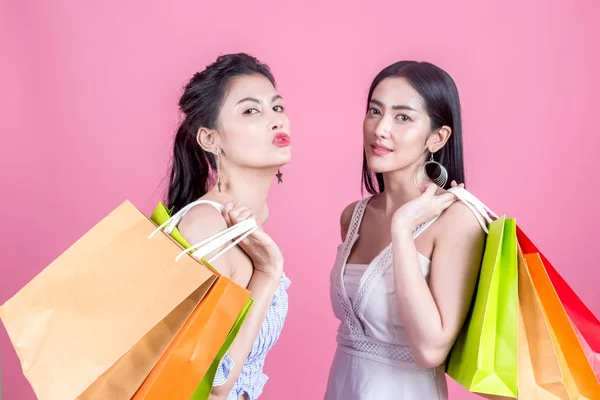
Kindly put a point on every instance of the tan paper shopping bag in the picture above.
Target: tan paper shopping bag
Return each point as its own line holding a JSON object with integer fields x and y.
{"x": 85, "y": 313}
{"x": 124, "y": 378}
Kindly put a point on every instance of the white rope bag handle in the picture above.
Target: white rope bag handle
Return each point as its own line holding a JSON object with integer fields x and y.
{"x": 481, "y": 211}
{"x": 237, "y": 233}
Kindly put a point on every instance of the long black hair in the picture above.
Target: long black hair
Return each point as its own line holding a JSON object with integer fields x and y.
{"x": 200, "y": 104}
{"x": 442, "y": 104}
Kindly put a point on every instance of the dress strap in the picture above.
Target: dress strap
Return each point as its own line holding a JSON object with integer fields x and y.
{"x": 357, "y": 216}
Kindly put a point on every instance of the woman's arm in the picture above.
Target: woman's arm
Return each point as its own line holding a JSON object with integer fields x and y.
{"x": 262, "y": 288}
{"x": 434, "y": 314}
{"x": 200, "y": 223}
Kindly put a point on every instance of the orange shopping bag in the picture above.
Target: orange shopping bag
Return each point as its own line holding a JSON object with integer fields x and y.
{"x": 187, "y": 360}
{"x": 540, "y": 375}
{"x": 578, "y": 377}
{"x": 106, "y": 305}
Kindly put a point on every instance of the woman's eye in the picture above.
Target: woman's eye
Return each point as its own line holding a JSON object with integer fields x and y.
{"x": 278, "y": 108}
{"x": 251, "y": 111}
{"x": 374, "y": 111}
{"x": 403, "y": 117}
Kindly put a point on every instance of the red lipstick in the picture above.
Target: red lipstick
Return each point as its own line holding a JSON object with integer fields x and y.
{"x": 380, "y": 150}
{"x": 282, "y": 140}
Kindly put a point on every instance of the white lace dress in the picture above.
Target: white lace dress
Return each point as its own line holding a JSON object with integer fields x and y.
{"x": 373, "y": 360}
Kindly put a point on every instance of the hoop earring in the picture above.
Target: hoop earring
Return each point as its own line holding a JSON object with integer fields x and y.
{"x": 218, "y": 153}
{"x": 422, "y": 175}
{"x": 279, "y": 176}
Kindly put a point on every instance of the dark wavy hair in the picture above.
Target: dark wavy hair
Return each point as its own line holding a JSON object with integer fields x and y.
{"x": 200, "y": 104}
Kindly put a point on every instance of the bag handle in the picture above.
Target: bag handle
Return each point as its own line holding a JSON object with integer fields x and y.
{"x": 483, "y": 213}
{"x": 207, "y": 246}
{"x": 467, "y": 196}
{"x": 175, "y": 219}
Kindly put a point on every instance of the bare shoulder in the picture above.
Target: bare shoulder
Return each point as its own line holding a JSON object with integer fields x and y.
{"x": 346, "y": 218}
{"x": 460, "y": 219}
{"x": 459, "y": 242}
{"x": 200, "y": 223}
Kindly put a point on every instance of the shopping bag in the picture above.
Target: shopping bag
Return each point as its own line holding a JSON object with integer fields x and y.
{"x": 540, "y": 375}
{"x": 585, "y": 323}
{"x": 204, "y": 389}
{"x": 579, "y": 379}
{"x": 484, "y": 357}
{"x": 87, "y": 311}
{"x": 187, "y": 368}
{"x": 576, "y": 375}
{"x": 186, "y": 362}
{"x": 125, "y": 377}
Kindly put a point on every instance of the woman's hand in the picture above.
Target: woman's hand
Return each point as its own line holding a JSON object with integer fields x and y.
{"x": 259, "y": 246}
{"x": 420, "y": 210}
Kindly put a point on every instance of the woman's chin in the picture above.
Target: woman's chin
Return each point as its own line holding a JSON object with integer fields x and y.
{"x": 284, "y": 159}
{"x": 378, "y": 167}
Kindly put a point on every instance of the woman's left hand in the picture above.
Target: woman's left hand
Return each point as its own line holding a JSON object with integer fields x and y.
{"x": 420, "y": 210}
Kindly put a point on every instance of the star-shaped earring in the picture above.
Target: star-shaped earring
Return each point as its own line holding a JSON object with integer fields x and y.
{"x": 279, "y": 176}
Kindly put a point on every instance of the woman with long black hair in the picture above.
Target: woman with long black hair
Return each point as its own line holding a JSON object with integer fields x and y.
{"x": 232, "y": 141}
{"x": 406, "y": 271}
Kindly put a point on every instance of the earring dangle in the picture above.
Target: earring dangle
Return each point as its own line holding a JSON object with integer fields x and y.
{"x": 422, "y": 174}
{"x": 279, "y": 176}
{"x": 218, "y": 153}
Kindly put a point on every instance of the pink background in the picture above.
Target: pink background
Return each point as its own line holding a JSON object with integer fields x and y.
{"x": 88, "y": 99}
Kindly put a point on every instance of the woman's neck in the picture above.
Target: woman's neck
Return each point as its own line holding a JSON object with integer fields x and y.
{"x": 247, "y": 187}
{"x": 400, "y": 188}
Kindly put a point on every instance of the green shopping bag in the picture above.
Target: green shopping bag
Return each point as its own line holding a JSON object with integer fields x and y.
{"x": 160, "y": 215}
{"x": 484, "y": 356}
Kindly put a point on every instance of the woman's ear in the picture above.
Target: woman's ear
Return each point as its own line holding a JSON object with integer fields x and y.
{"x": 438, "y": 139}
{"x": 208, "y": 139}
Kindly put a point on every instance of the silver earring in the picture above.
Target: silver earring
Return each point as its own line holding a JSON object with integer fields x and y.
{"x": 422, "y": 174}
{"x": 218, "y": 153}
